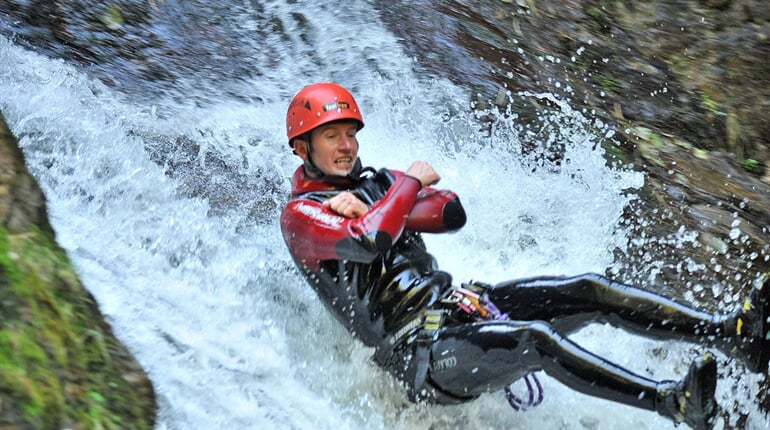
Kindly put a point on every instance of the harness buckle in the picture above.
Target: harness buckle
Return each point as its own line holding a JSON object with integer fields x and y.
{"x": 471, "y": 299}
{"x": 433, "y": 320}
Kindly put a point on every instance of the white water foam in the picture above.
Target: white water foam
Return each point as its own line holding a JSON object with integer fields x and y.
{"x": 210, "y": 302}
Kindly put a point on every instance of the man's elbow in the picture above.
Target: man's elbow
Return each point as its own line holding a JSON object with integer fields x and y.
{"x": 365, "y": 248}
{"x": 454, "y": 215}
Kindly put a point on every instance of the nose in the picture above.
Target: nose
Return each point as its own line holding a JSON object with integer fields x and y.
{"x": 346, "y": 143}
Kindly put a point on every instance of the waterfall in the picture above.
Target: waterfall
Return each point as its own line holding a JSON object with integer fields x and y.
{"x": 168, "y": 206}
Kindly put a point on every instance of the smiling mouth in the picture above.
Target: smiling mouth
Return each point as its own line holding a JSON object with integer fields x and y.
{"x": 343, "y": 160}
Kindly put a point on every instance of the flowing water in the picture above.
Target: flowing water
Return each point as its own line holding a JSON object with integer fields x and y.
{"x": 167, "y": 199}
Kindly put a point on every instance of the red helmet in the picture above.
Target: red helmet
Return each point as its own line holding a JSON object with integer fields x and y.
{"x": 318, "y": 104}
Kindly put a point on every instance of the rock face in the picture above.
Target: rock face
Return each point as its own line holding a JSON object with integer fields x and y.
{"x": 686, "y": 84}
{"x": 22, "y": 204}
{"x": 695, "y": 69}
{"x": 61, "y": 365}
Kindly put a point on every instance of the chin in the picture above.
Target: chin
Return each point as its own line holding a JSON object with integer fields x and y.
{"x": 342, "y": 171}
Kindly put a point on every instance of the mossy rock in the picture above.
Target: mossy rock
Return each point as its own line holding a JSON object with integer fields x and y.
{"x": 61, "y": 365}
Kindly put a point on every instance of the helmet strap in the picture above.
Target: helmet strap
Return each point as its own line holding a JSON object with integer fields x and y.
{"x": 355, "y": 174}
{"x": 312, "y": 170}
{"x": 310, "y": 166}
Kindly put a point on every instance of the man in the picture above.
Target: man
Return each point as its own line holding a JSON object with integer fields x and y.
{"x": 355, "y": 235}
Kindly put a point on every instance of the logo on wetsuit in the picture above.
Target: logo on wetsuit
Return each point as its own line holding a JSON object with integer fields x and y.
{"x": 319, "y": 215}
{"x": 444, "y": 363}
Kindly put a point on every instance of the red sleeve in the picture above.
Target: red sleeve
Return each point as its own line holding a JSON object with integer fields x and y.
{"x": 314, "y": 233}
{"x": 434, "y": 211}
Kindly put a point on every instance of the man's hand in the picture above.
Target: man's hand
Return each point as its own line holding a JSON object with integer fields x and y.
{"x": 347, "y": 205}
{"x": 423, "y": 172}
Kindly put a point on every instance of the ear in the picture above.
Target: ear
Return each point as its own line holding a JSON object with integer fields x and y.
{"x": 301, "y": 149}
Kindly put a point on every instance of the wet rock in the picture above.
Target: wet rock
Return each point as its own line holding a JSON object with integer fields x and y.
{"x": 690, "y": 68}
{"x": 691, "y": 76}
{"x": 21, "y": 202}
{"x": 709, "y": 193}
{"x": 147, "y": 57}
{"x": 62, "y": 365}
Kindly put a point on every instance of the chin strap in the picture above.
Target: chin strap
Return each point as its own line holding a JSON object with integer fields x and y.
{"x": 355, "y": 175}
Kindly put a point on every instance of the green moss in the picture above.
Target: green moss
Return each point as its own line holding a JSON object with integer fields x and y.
{"x": 750, "y": 163}
{"x": 614, "y": 154}
{"x": 609, "y": 83}
{"x": 649, "y": 136}
{"x": 56, "y": 356}
{"x": 595, "y": 12}
{"x": 27, "y": 371}
{"x": 113, "y": 18}
{"x": 711, "y": 105}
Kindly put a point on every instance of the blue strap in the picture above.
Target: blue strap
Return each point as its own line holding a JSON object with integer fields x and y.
{"x": 535, "y": 394}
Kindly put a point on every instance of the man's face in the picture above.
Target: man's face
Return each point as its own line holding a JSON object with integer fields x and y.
{"x": 334, "y": 147}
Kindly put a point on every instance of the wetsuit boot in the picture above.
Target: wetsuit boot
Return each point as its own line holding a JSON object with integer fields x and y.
{"x": 691, "y": 400}
{"x": 749, "y": 331}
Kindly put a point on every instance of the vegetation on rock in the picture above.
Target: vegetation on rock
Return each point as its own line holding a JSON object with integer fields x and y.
{"x": 61, "y": 365}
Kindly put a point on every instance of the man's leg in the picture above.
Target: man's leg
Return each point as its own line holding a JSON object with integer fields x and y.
{"x": 569, "y": 303}
{"x": 470, "y": 359}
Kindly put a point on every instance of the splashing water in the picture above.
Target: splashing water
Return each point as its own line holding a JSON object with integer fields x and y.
{"x": 170, "y": 214}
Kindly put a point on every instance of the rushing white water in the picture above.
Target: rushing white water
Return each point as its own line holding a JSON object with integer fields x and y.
{"x": 191, "y": 270}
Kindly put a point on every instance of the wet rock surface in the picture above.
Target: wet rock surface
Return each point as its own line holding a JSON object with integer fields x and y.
{"x": 145, "y": 48}
{"x": 684, "y": 83}
{"x": 687, "y": 68}
{"x": 62, "y": 367}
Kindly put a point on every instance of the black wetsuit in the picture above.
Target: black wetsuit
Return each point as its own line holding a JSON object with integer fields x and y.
{"x": 376, "y": 276}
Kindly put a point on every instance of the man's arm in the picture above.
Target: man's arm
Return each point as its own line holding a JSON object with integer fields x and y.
{"x": 314, "y": 232}
{"x": 436, "y": 211}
